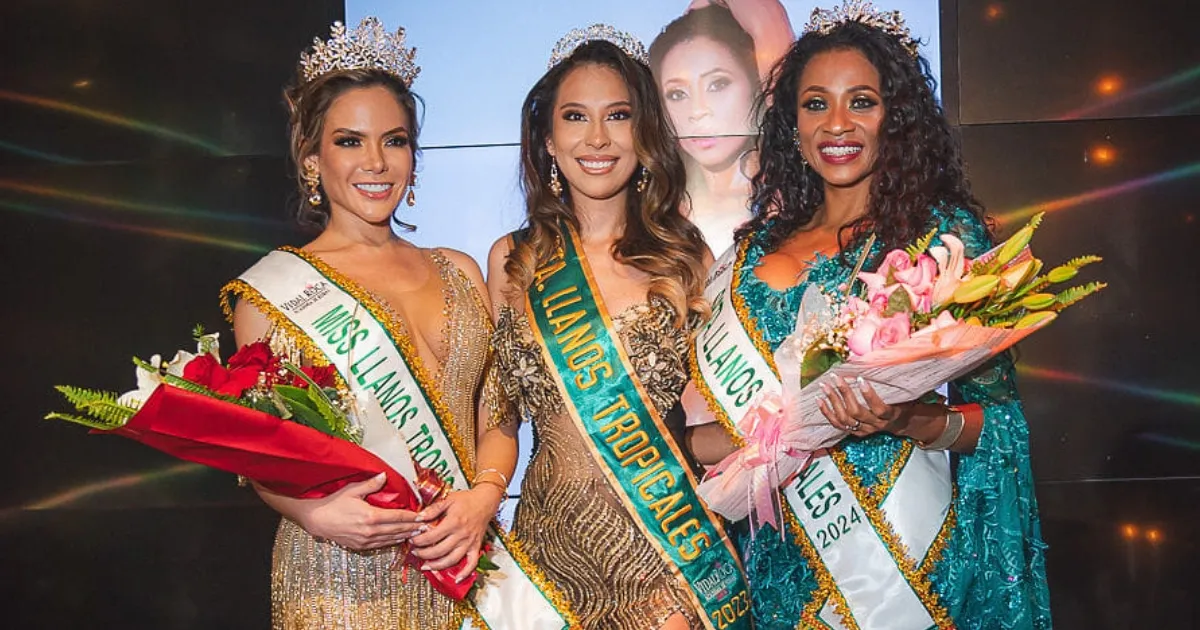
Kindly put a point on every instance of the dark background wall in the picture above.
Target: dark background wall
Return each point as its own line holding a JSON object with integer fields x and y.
{"x": 141, "y": 165}
{"x": 1088, "y": 109}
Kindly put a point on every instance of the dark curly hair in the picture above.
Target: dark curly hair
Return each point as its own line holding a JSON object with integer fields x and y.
{"x": 919, "y": 166}
{"x": 307, "y": 104}
{"x": 657, "y": 238}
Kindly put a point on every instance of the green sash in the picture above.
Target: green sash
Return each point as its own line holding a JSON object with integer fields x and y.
{"x": 627, "y": 438}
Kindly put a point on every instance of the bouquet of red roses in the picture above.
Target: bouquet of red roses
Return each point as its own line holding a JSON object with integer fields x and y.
{"x": 290, "y": 428}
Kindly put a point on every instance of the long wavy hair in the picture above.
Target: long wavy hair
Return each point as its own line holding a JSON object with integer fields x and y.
{"x": 919, "y": 166}
{"x": 309, "y": 102}
{"x": 713, "y": 22}
{"x": 657, "y": 239}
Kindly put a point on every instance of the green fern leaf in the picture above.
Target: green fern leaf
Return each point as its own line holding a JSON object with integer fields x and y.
{"x": 102, "y": 406}
{"x": 922, "y": 244}
{"x": 1074, "y": 294}
{"x": 90, "y": 423}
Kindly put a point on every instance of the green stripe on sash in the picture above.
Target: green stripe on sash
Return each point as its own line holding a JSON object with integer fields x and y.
{"x": 627, "y": 437}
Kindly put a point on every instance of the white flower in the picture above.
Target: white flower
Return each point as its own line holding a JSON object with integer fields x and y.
{"x": 148, "y": 381}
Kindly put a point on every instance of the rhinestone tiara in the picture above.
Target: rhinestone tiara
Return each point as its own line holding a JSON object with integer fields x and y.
{"x": 369, "y": 46}
{"x": 631, "y": 45}
{"x": 891, "y": 22}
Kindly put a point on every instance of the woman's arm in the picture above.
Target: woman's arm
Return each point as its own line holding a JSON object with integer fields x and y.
{"x": 344, "y": 517}
{"x": 766, "y": 21}
{"x": 465, "y": 515}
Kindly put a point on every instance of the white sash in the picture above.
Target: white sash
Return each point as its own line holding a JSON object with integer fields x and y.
{"x": 367, "y": 357}
{"x": 849, "y": 540}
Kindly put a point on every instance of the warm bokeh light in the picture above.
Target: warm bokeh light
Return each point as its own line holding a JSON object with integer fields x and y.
{"x": 1102, "y": 154}
{"x": 994, "y": 11}
{"x": 1154, "y": 536}
{"x": 1129, "y": 531}
{"x": 1108, "y": 85}
{"x": 82, "y": 83}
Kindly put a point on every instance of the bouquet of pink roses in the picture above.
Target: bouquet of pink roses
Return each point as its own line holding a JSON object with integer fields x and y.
{"x": 928, "y": 315}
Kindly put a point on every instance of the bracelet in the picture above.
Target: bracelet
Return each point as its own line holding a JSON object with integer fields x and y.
{"x": 493, "y": 482}
{"x": 493, "y": 470}
{"x": 954, "y": 428}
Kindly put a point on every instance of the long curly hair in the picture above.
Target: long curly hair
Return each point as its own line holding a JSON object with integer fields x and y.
{"x": 919, "y": 166}
{"x": 307, "y": 104}
{"x": 657, "y": 239}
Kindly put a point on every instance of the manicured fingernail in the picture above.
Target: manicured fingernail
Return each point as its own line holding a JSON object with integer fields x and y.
{"x": 425, "y": 567}
{"x": 862, "y": 383}
{"x": 420, "y": 518}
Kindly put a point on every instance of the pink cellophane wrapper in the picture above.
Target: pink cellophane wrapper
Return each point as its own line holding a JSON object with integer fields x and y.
{"x": 782, "y": 432}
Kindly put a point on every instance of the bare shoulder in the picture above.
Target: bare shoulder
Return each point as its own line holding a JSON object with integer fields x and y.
{"x": 464, "y": 262}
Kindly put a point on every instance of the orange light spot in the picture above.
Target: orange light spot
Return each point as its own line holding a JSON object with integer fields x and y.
{"x": 1129, "y": 531}
{"x": 1102, "y": 154}
{"x": 1154, "y": 536}
{"x": 994, "y": 11}
{"x": 1108, "y": 85}
{"x": 82, "y": 83}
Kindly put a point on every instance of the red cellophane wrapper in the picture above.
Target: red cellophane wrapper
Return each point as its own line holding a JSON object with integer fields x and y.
{"x": 285, "y": 457}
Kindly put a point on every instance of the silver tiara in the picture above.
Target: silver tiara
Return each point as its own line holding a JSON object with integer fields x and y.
{"x": 631, "y": 45}
{"x": 891, "y": 22}
{"x": 369, "y": 46}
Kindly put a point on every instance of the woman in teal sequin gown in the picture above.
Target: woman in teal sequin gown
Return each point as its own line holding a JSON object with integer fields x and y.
{"x": 853, "y": 143}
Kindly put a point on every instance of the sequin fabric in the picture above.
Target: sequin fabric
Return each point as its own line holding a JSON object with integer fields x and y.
{"x": 992, "y": 574}
{"x": 316, "y": 585}
{"x": 569, "y": 519}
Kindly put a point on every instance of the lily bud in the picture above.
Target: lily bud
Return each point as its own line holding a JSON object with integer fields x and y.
{"x": 1062, "y": 273}
{"x": 1016, "y": 275}
{"x": 1036, "y": 320}
{"x": 976, "y": 289}
{"x": 1037, "y": 301}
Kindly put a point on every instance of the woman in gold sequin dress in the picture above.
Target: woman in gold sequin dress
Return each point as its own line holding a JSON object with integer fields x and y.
{"x": 354, "y": 141}
{"x": 596, "y": 118}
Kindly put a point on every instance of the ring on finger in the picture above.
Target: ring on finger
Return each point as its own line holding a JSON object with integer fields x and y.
{"x": 854, "y": 427}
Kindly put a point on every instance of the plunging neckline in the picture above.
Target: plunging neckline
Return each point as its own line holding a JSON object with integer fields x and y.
{"x": 381, "y": 309}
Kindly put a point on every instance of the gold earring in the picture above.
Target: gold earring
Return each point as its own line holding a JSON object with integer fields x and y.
{"x": 313, "y": 181}
{"x": 411, "y": 200}
{"x": 644, "y": 180}
{"x": 555, "y": 185}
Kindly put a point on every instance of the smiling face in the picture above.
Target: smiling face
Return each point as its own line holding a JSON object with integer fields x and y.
{"x": 708, "y": 93}
{"x": 365, "y": 158}
{"x": 591, "y": 136}
{"x": 840, "y": 111}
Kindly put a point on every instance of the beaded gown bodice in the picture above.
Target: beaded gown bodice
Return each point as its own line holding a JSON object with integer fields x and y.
{"x": 570, "y": 520}
{"x": 317, "y": 585}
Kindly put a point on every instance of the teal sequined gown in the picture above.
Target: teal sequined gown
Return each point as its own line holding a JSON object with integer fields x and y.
{"x": 992, "y": 573}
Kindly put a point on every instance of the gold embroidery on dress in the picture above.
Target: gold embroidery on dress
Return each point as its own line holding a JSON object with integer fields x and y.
{"x": 569, "y": 519}
{"x": 315, "y": 585}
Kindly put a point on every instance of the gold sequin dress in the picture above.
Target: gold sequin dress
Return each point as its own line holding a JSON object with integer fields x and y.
{"x": 315, "y": 585}
{"x": 569, "y": 519}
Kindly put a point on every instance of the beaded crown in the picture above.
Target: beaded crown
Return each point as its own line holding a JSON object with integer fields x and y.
{"x": 369, "y": 46}
{"x": 631, "y": 45}
{"x": 891, "y": 22}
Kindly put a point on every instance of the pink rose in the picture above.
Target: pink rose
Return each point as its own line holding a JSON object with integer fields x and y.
{"x": 918, "y": 281}
{"x": 881, "y": 283}
{"x": 872, "y": 332}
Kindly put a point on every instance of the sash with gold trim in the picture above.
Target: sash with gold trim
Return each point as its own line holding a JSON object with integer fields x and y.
{"x": 627, "y": 438}
{"x": 871, "y": 556}
{"x": 335, "y": 320}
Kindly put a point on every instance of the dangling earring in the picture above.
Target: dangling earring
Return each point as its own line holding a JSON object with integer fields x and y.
{"x": 411, "y": 200}
{"x": 313, "y": 181}
{"x": 555, "y": 185}
{"x": 644, "y": 180}
{"x": 799, "y": 149}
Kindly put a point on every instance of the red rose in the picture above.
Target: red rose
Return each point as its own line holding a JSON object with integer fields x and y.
{"x": 239, "y": 380}
{"x": 322, "y": 376}
{"x": 253, "y": 355}
{"x": 205, "y": 370}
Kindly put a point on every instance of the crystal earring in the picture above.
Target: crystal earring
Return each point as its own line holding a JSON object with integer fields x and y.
{"x": 644, "y": 180}
{"x": 799, "y": 148}
{"x": 312, "y": 180}
{"x": 411, "y": 199}
{"x": 555, "y": 185}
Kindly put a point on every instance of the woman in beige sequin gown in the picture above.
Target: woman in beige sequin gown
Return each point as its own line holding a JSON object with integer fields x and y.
{"x": 354, "y": 143}
{"x": 596, "y": 117}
